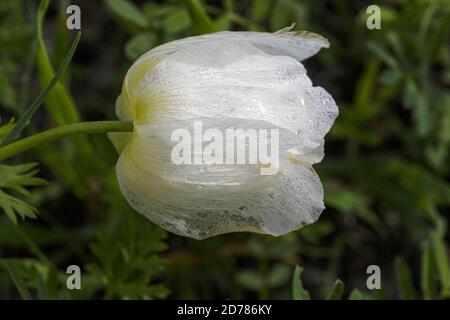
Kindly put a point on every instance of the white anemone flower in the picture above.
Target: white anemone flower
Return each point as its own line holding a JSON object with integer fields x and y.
{"x": 226, "y": 79}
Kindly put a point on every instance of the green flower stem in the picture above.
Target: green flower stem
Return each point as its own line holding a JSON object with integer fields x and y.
{"x": 62, "y": 132}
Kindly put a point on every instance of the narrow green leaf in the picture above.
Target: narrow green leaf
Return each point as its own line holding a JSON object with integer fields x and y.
{"x": 383, "y": 54}
{"x": 32, "y": 246}
{"x": 410, "y": 93}
{"x": 260, "y": 9}
{"x": 336, "y": 291}
{"x": 28, "y": 114}
{"x": 281, "y": 15}
{"x": 20, "y": 285}
{"x": 404, "y": 280}
{"x": 59, "y": 102}
{"x": 366, "y": 84}
{"x": 428, "y": 283}
{"x": 176, "y": 21}
{"x": 249, "y": 279}
{"x": 139, "y": 44}
{"x": 62, "y": 108}
{"x": 423, "y": 38}
{"x": 278, "y": 275}
{"x": 298, "y": 292}
{"x": 6, "y": 128}
{"x": 396, "y": 45}
{"x": 127, "y": 11}
{"x": 439, "y": 38}
{"x": 390, "y": 77}
{"x": 201, "y": 21}
{"x": 440, "y": 254}
{"x": 356, "y": 295}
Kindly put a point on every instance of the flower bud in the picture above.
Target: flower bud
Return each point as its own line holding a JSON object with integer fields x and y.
{"x": 201, "y": 88}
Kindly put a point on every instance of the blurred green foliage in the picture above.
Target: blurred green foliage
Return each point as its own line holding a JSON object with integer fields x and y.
{"x": 386, "y": 170}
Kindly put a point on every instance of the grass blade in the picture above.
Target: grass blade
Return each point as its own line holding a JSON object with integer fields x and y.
{"x": 298, "y": 292}
{"x": 20, "y": 285}
{"x": 128, "y": 11}
{"x": 356, "y": 295}
{"x": 201, "y": 21}
{"x": 404, "y": 280}
{"x": 428, "y": 271}
{"x": 26, "y": 117}
{"x": 336, "y": 291}
{"x": 440, "y": 253}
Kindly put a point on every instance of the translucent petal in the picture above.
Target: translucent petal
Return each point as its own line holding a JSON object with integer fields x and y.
{"x": 124, "y": 111}
{"x": 227, "y": 79}
{"x": 209, "y": 199}
{"x": 241, "y": 81}
{"x": 151, "y": 147}
{"x": 299, "y": 45}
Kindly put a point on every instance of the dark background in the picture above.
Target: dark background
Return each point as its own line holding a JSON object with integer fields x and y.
{"x": 385, "y": 171}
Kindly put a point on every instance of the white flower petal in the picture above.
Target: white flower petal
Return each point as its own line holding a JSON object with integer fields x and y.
{"x": 226, "y": 79}
{"x": 238, "y": 80}
{"x": 205, "y": 200}
{"x": 299, "y": 45}
{"x": 151, "y": 147}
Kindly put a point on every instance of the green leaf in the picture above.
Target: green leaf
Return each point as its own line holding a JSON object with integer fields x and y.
{"x": 390, "y": 77}
{"x": 423, "y": 38}
{"x": 260, "y": 9}
{"x": 414, "y": 97}
{"x": 46, "y": 280}
{"x": 127, "y": 11}
{"x": 201, "y": 21}
{"x": 440, "y": 254}
{"x": 383, "y": 55}
{"x": 5, "y": 129}
{"x": 139, "y": 44}
{"x": 18, "y": 282}
{"x": 298, "y": 292}
{"x": 19, "y": 176}
{"x": 404, "y": 279}
{"x": 350, "y": 201}
{"x": 176, "y": 21}
{"x": 356, "y": 295}
{"x": 410, "y": 93}
{"x": 278, "y": 275}
{"x": 128, "y": 291}
{"x": 13, "y": 206}
{"x": 58, "y": 102}
{"x": 16, "y": 178}
{"x": 336, "y": 291}
{"x": 156, "y": 11}
{"x": 126, "y": 262}
{"x": 249, "y": 279}
{"x": 224, "y": 22}
{"x": 28, "y": 114}
{"x": 397, "y": 46}
{"x": 366, "y": 84}
{"x": 281, "y": 16}
{"x": 428, "y": 281}
{"x": 439, "y": 38}
{"x": 62, "y": 109}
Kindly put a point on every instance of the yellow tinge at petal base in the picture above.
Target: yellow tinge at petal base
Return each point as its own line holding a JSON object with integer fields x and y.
{"x": 126, "y": 103}
{"x": 224, "y": 80}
